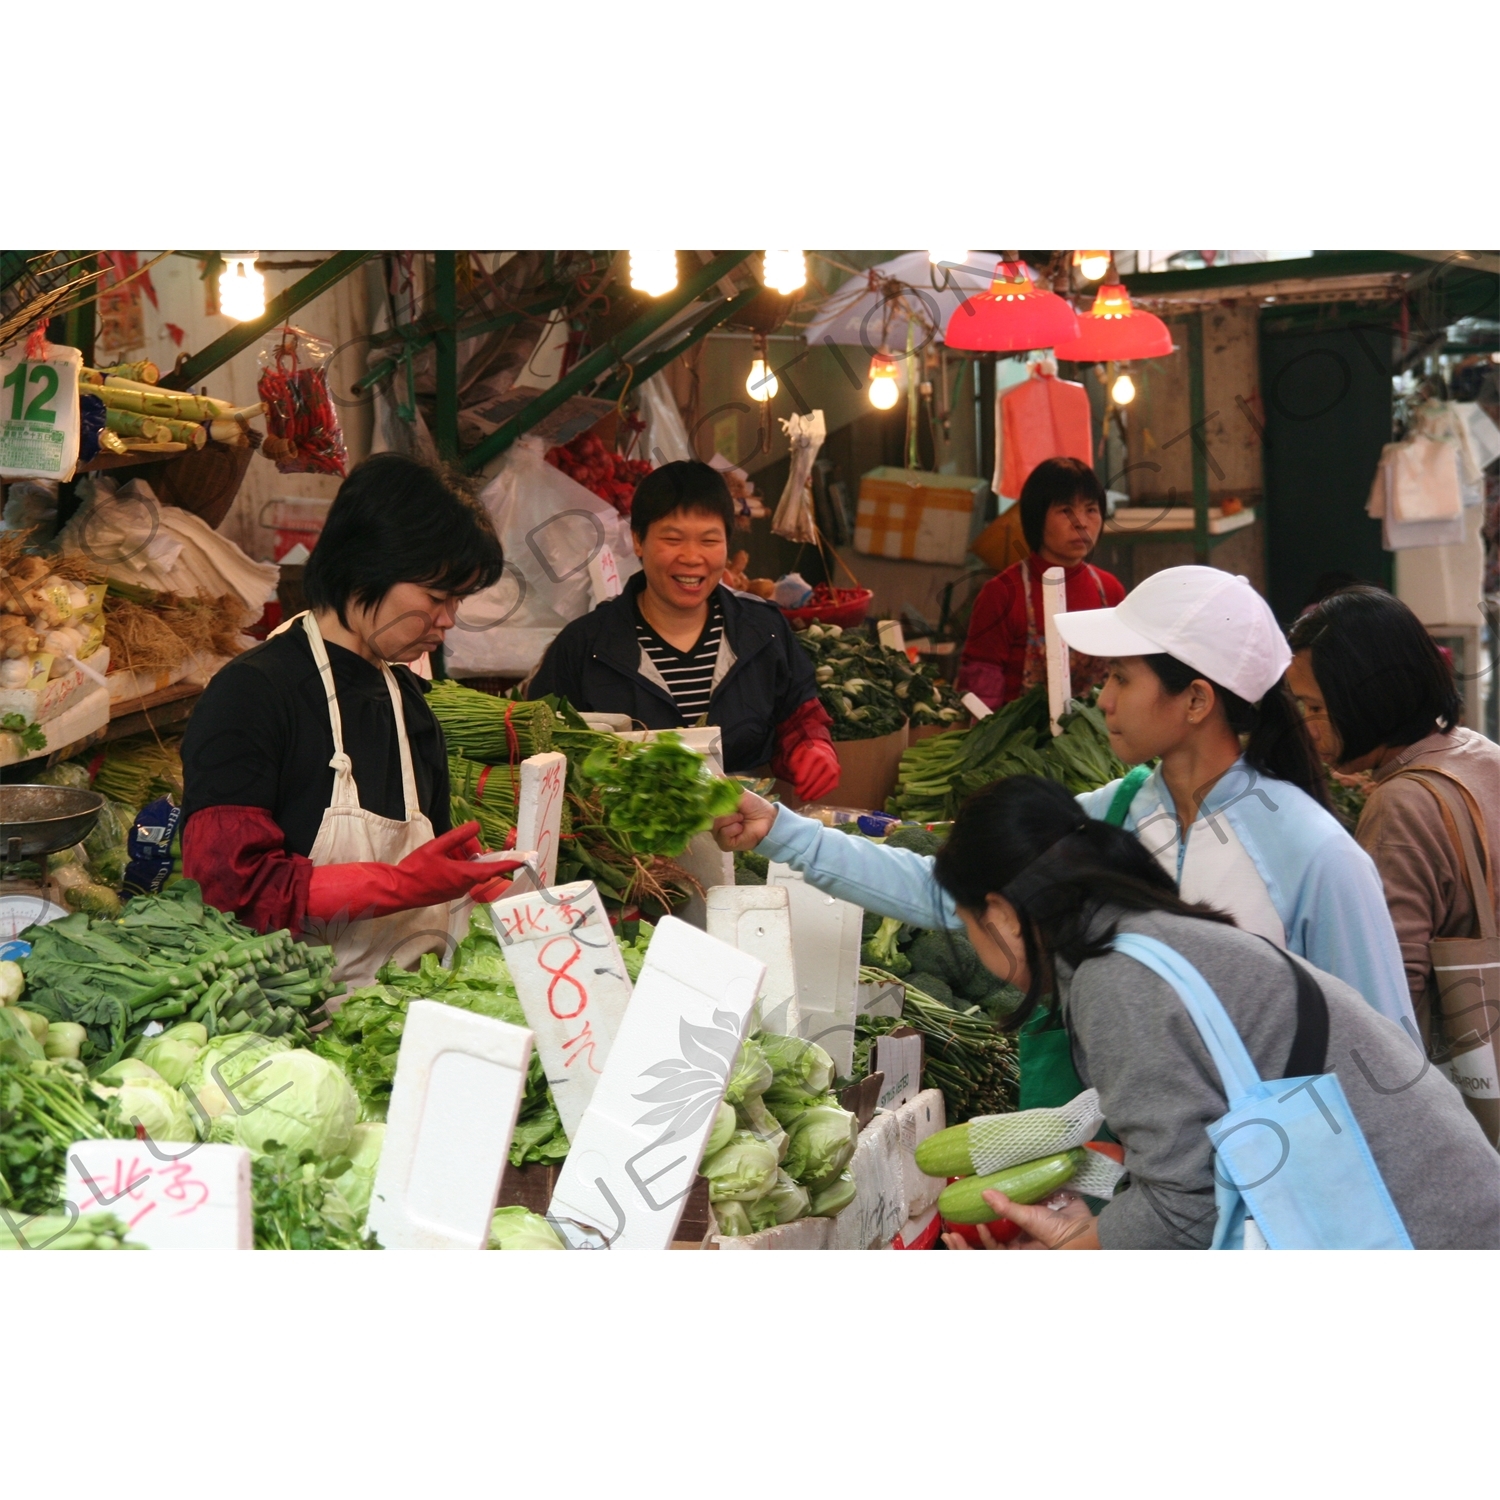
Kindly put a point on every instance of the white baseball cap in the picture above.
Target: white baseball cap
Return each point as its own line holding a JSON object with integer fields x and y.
{"x": 1211, "y": 621}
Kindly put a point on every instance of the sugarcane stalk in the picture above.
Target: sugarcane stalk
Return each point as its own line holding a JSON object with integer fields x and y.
{"x": 169, "y": 405}
{"x": 144, "y": 370}
{"x": 133, "y": 424}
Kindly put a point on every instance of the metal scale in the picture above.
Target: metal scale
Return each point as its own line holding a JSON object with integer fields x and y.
{"x": 36, "y": 821}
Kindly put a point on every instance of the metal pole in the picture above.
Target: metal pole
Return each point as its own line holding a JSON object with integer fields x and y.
{"x": 1199, "y": 440}
{"x": 445, "y": 348}
{"x": 654, "y": 362}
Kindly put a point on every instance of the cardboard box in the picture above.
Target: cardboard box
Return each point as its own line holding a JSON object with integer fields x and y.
{"x": 867, "y": 770}
{"x": 38, "y": 705}
{"x": 911, "y": 514}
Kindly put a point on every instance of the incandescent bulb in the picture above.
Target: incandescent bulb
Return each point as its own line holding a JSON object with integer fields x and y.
{"x": 784, "y": 271}
{"x": 761, "y": 384}
{"x": 948, "y": 257}
{"x": 1093, "y": 263}
{"x": 653, "y": 271}
{"x": 884, "y": 392}
{"x": 1122, "y": 392}
{"x": 242, "y": 289}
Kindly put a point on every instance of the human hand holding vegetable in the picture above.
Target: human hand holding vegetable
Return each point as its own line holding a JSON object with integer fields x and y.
{"x": 746, "y": 826}
{"x": 1068, "y": 1226}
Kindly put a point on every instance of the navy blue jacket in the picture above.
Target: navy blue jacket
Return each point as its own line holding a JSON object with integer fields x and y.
{"x": 763, "y": 675}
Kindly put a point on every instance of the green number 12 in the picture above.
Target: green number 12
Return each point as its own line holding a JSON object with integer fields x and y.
{"x": 38, "y": 411}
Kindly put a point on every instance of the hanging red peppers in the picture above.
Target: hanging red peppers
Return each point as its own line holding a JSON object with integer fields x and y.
{"x": 303, "y": 430}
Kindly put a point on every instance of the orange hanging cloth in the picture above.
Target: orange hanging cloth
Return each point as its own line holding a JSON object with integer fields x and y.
{"x": 1043, "y": 417}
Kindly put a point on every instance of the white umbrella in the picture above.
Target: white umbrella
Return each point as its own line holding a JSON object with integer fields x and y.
{"x": 855, "y": 313}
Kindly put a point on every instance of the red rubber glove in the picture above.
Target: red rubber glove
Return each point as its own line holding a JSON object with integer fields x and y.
{"x": 442, "y": 869}
{"x": 804, "y": 751}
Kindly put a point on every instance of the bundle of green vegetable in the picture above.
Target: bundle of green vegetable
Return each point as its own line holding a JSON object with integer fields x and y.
{"x": 298, "y": 1205}
{"x": 44, "y": 1108}
{"x": 658, "y": 794}
{"x": 967, "y": 1055}
{"x": 781, "y": 1145}
{"x": 364, "y": 1037}
{"x": 105, "y": 847}
{"x": 942, "y": 965}
{"x": 497, "y": 731}
{"x": 94, "y": 1231}
{"x": 139, "y": 770}
{"x": 870, "y": 689}
{"x": 170, "y": 956}
{"x": 938, "y": 773}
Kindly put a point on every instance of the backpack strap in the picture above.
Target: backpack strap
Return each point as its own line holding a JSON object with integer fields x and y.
{"x": 1467, "y": 837}
{"x": 1130, "y": 783}
{"x": 1309, "y": 1055}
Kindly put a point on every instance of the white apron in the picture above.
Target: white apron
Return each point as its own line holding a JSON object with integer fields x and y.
{"x": 349, "y": 834}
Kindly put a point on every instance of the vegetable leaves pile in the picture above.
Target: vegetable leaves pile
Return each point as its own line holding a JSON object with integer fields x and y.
{"x": 298, "y": 1207}
{"x": 658, "y": 795}
{"x": 870, "y": 689}
{"x": 44, "y": 1108}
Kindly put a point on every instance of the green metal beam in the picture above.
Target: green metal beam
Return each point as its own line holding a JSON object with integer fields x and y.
{"x": 278, "y": 310}
{"x": 1197, "y": 437}
{"x": 589, "y": 369}
{"x": 12, "y": 264}
{"x": 445, "y": 348}
{"x": 1336, "y": 263}
{"x": 701, "y": 329}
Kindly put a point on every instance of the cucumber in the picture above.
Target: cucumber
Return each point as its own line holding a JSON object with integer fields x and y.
{"x": 962, "y": 1202}
{"x": 946, "y": 1154}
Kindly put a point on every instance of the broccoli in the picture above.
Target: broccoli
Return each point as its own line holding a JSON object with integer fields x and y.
{"x": 750, "y": 868}
{"x": 870, "y": 926}
{"x": 914, "y": 837}
{"x": 1002, "y": 1001}
{"x": 949, "y": 955}
{"x": 880, "y": 950}
{"x": 933, "y": 987}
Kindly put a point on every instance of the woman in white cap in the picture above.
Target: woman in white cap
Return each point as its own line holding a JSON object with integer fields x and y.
{"x": 1196, "y": 664}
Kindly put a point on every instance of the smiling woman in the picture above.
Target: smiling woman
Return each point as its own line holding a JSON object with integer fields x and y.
{"x": 316, "y": 780}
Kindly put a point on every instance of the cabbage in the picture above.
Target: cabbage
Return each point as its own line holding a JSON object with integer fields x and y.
{"x": 126, "y": 1069}
{"x": 822, "y": 1143}
{"x": 750, "y": 1075}
{"x": 740, "y": 1171}
{"x": 761, "y": 1213}
{"x": 761, "y": 1123}
{"x": 788, "y": 1200}
{"x": 724, "y": 1125}
{"x": 174, "y": 1051}
{"x": 363, "y": 1153}
{"x": 835, "y": 1197}
{"x": 801, "y": 1066}
{"x": 517, "y": 1228}
{"x": 789, "y": 1111}
{"x": 235, "y": 1057}
{"x": 732, "y": 1219}
{"x": 152, "y": 1103}
{"x": 299, "y": 1100}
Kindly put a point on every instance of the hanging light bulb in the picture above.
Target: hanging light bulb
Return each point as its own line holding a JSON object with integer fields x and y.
{"x": 948, "y": 257}
{"x": 242, "y": 289}
{"x": 884, "y": 392}
{"x": 1122, "y": 392}
{"x": 1093, "y": 263}
{"x": 761, "y": 384}
{"x": 653, "y": 271}
{"x": 784, "y": 271}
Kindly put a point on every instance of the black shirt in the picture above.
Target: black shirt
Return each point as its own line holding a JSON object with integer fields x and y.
{"x": 689, "y": 674}
{"x": 260, "y": 737}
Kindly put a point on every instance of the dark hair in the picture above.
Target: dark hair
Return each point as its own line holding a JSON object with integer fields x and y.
{"x": 1383, "y": 679}
{"x": 1009, "y": 826}
{"x": 1055, "y": 481}
{"x": 1277, "y": 743}
{"x": 395, "y": 520}
{"x": 682, "y": 485}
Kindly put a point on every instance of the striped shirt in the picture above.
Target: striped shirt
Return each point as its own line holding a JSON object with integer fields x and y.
{"x": 689, "y": 675}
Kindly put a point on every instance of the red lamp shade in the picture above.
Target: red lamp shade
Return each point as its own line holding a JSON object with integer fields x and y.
{"x": 1014, "y": 314}
{"x": 1115, "y": 329}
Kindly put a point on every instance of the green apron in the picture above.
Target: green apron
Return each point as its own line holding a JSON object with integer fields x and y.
{"x": 1048, "y": 1077}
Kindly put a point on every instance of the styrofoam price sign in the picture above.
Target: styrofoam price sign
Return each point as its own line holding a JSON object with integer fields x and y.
{"x": 571, "y": 982}
{"x": 634, "y": 1157}
{"x": 171, "y": 1197}
{"x": 826, "y": 942}
{"x": 756, "y": 920}
{"x": 539, "y": 823}
{"x": 39, "y": 414}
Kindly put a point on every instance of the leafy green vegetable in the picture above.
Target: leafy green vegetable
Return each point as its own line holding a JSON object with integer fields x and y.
{"x": 12, "y": 982}
{"x": 363, "y": 1155}
{"x": 834, "y": 1197}
{"x": 934, "y": 986}
{"x": 723, "y": 1127}
{"x": 31, "y": 735}
{"x": 740, "y": 1171}
{"x": 786, "y": 1200}
{"x": 173, "y": 1051}
{"x": 44, "y": 1108}
{"x": 517, "y": 1228}
{"x": 751, "y": 1074}
{"x": 821, "y": 1145}
{"x": 298, "y": 1101}
{"x": 732, "y": 1219}
{"x": 298, "y": 1207}
{"x": 64, "y": 1039}
{"x": 869, "y": 689}
{"x": 17, "y": 1043}
{"x": 226, "y": 1061}
{"x": 881, "y": 949}
{"x": 91, "y": 1231}
{"x": 151, "y": 1104}
{"x": 658, "y": 794}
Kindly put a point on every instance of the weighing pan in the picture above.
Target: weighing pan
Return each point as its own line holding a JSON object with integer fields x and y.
{"x": 40, "y": 820}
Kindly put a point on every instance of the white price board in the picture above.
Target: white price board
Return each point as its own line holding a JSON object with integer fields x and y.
{"x": 539, "y": 822}
{"x": 756, "y": 920}
{"x": 572, "y": 984}
{"x": 635, "y": 1155}
{"x": 173, "y": 1196}
{"x": 39, "y": 414}
{"x": 457, "y": 1092}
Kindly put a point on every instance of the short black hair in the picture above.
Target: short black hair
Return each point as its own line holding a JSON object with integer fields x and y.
{"x": 1055, "y": 481}
{"x": 1383, "y": 679}
{"x": 395, "y": 520}
{"x": 683, "y": 484}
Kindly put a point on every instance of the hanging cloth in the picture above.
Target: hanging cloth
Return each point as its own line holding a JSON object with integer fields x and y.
{"x": 1043, "y": 417}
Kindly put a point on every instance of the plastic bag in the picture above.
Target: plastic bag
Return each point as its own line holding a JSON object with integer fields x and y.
{"x": 39, "y": 422}
{"x": 303, "y": 432}
{"x": 794, "y": 515}
{"x": 550, "y": 528}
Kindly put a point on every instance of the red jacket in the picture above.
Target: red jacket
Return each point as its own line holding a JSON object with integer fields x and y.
{"x": 994, "y": 654}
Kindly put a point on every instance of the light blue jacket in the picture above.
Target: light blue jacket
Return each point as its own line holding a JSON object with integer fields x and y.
{"x": 1324, "y": 887}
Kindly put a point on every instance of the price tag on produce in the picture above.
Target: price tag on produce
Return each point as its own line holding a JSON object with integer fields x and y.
{"x": 539, "y": 823}
{"x": 454, "y": 1102}
{"x": 756, "y": 920}
{"x": 172, "y": 1195}
{"x": 572, "y": 984}
{"x": 634, "y": 1156}
{"x": 39, "y": 414}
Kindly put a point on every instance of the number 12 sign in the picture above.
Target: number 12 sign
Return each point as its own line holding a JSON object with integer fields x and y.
{"x": 39, "y": 415}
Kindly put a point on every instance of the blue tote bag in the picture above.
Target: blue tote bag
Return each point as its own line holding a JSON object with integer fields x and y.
{"x": 1289, "y": 1154}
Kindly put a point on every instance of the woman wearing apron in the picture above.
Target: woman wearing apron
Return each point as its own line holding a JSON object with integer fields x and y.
{"x": 315, "y": 776}
{"x": 1005, "y": 654}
